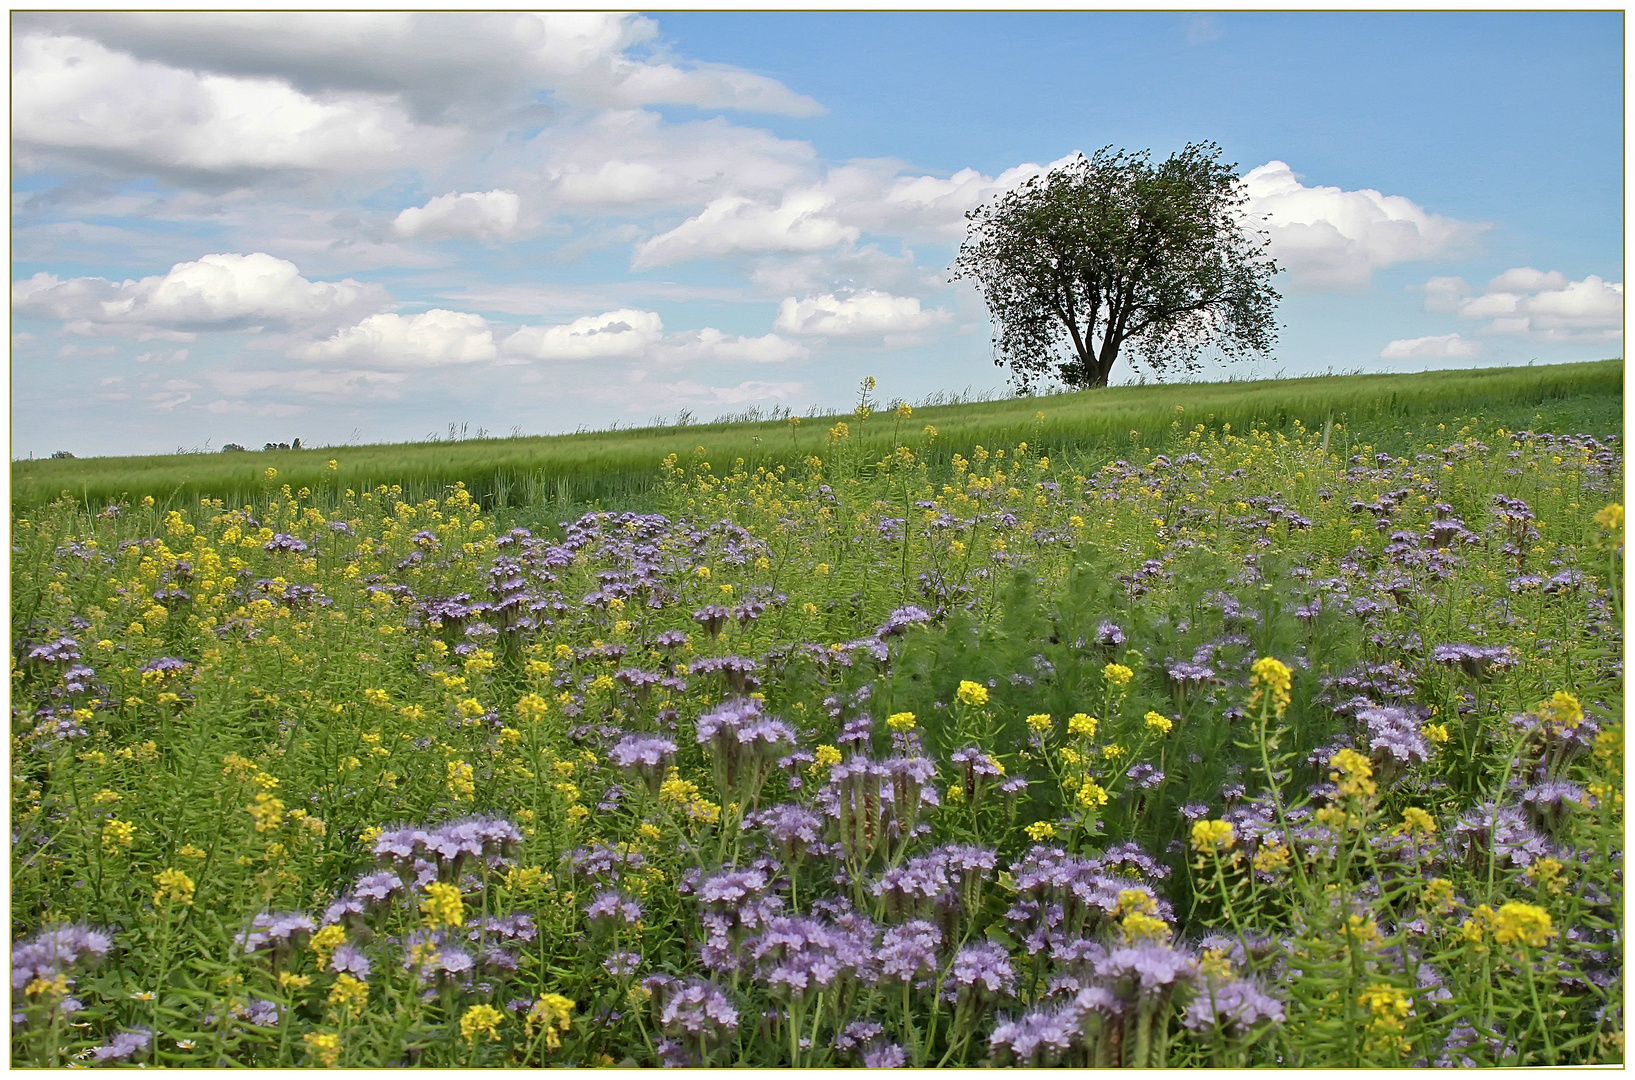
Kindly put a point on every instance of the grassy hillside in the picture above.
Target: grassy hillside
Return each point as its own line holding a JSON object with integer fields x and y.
{"x": 576, "y": 469}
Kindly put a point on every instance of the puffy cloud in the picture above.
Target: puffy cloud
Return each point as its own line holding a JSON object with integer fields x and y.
{"x": 632, "y": 159}
{"x": 1438, "y": 347}
{"x": 73, "y": 97}
{"x": 734, "y": 225}
{"x": 711, "y": 345}
{"x": 878, "y": 197}
{"x": 1330, "y": 239}
{"x": 481, "y": 215}
{"x": 477, "y": 69}
{"x": 612, "y": 335}
{"x": 435, "y": 338}
{"x": 1535, "y": 303}
{"x": 864, "y": 314}
{"x": 215, "y": 292}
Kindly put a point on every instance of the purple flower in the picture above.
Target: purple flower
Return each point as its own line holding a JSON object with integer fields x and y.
{"x": 57, "y": 951}
{"x": 1548, "y": 804}
{"x": 610, "y": 906}
{"x": 1148, "y": 970}
{"x": 278, "y": 928}
{"x": 645, "y": 756}
{"x": 909, "y": 950}
{"x": 885, "y": 1056}
{"x": 378, "y": 886}
{"x": 261, "y": 1013}
{"x": 622, "y": 964}
{"x": 791, "y": 826}
{"x": 1235, "y": 1008}
{"x": 351, "y": 961}
{"x": 697, "y": 1009}
{"x": 123, "y": 1045}
{"x": 744, "y": 744}
{"x": 983, "y": 968}
{"x": 1040, "y": 1039}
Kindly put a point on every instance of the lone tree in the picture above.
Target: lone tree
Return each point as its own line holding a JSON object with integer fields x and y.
{"x": 1112, "y": 252}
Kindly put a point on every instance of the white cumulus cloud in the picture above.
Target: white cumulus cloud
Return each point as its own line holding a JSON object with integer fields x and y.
{"x": 734, "y": 225}
{"x": 612, "y": 335}
{"x": 1437, "y": 347}
{"x": 215, "y": 292}
{"x": 481, "y": 215}
{"x": 868, "y": 313}
{"x": 435, "y": 338}
{"x": 1332, "y": 239}
{"x": 712, "y": 345}
{"x": 72, "y": 96}
{"x": 1535, "y": 303}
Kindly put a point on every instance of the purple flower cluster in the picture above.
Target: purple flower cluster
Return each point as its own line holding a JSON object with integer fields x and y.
{"x": 647, "y": 757}
{"x": 745, "y": 745}
{"x": 449, "y": 847}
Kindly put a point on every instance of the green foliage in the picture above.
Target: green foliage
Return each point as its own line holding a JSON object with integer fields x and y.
{"x": 174, "y": 803}
{"x": 552, "y": 477}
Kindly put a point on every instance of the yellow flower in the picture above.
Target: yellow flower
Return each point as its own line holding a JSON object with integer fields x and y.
{"x": 1438, "y": 895}
{"x": 1352, "y": 773}
{"x": 823, "y": 757}
{"x": 1271, "y": 859}
{"x": 326, "y": 1046}
{"x": 973, "y": 694}
{"x": 481, "y": 1020}
{"x": 460, "y": 782}
{"x": 117, "y": 835}
{"x": 1039, "y": 722}
{"x": 325, "y": 941}
{"x": 443, "y": 906}
{"x": 555, "y": 1013}
{"x": 1415, "y": 820}
{"x": 1388, "y": 1008}
{"x": 1437, "y": 733}
{"x": 903, "y": 721}
{"x": 270, "y": 473}
{"x": 1117, "y": 675}
{"x": 1040, "y": 830}
{"x": 1610, "y": 517}
{"x": 1140, "y": 927}
{"x": 1082, "y": 724}
{"x": 173, "y": 884}
{"x": 532, "y": 707}
{"x": 291, "y": 981}
{"x": 1159, "y": 723}
{"x": 1270, "y": 673}
{"x": 1523, "y": 924}
{"x": 1212, "y": 835}
{"x": 267, "y": 811}
{"x": 377, "y": 697}
{"x": 1092, "y": 794}
{"x": 1562, "y": 710}
{"x": 349, "y": 994}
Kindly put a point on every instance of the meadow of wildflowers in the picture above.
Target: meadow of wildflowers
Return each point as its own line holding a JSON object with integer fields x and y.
{"x": 1260, "y": 751}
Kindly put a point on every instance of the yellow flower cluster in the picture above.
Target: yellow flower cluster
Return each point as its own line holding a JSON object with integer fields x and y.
{"x": 1213, "y": 835}
{"x": 973, "y": 694}
{"x": 1353, "y": 772}
{"x": 324, "y": 1045}
{"x": 443, "y": 905}
{"x": 349, "y": 995}
{"x": 1271, "y": 676}
{"x": 1082, "y": 725}
{"x": 1159, "y": 723}
{"x": 555, "y": 1013}
{"x": 1117, "y": 675}
{"x": 173, "y": 885}
{"x": 903, "y": 721}
{"x": 481, "y": 1020}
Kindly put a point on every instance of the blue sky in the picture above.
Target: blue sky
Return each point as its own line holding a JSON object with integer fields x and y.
{"x": 364, "y": 227}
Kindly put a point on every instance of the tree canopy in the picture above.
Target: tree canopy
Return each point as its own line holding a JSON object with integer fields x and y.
{"x": 1112, "y": 252}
